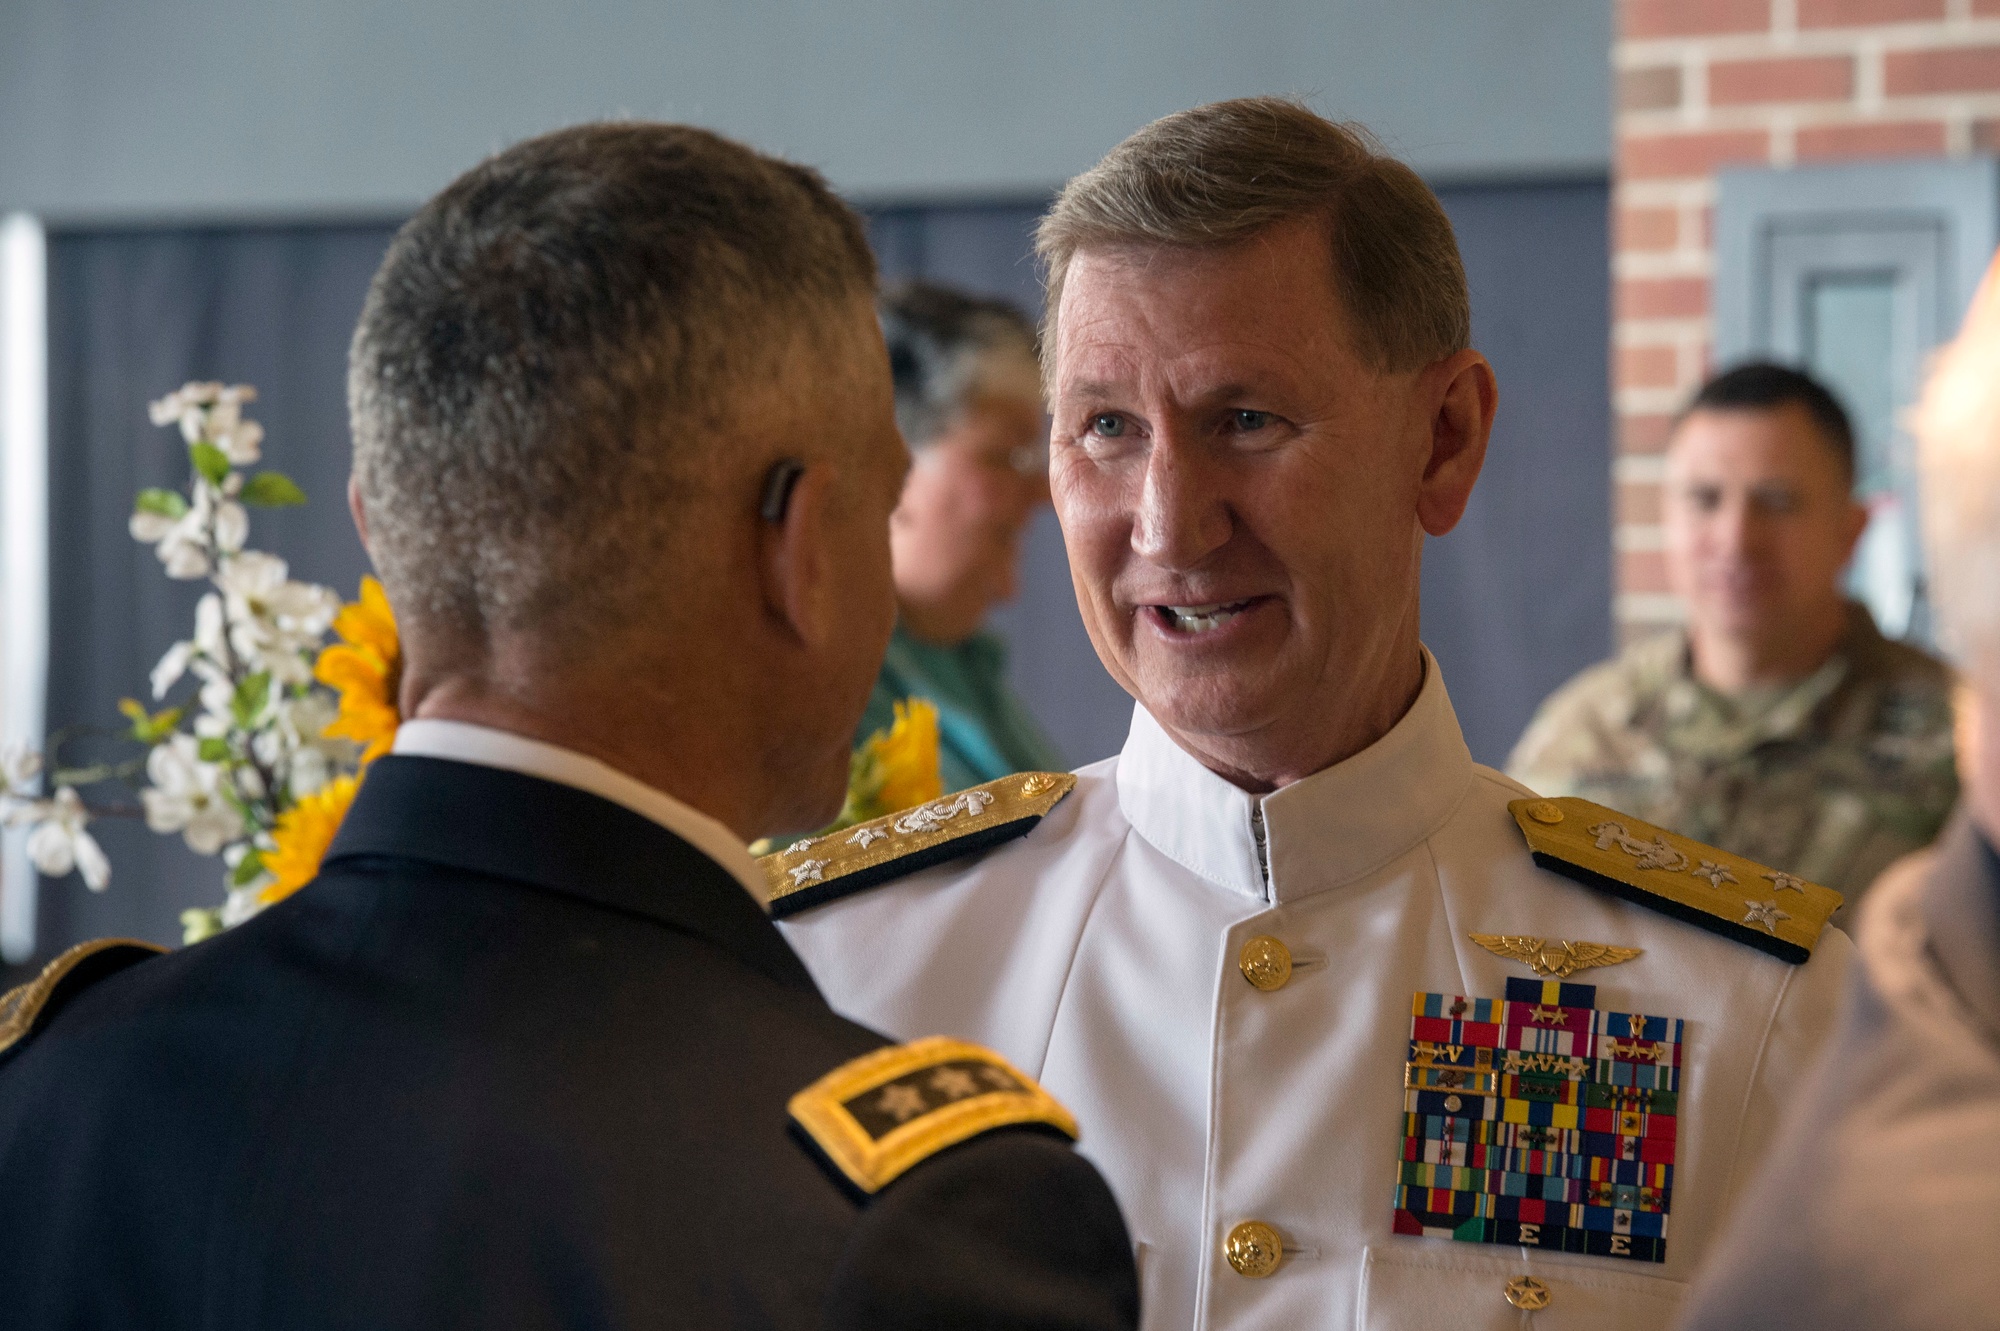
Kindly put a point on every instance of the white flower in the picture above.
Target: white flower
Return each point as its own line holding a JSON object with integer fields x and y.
{"x": 296, "y": 746}
{"x": 241, "y": 904}
{"x": 212, "y": 412}
{"x": 214, "y": 518}
{"x": 59, "y": 842}
{"x": 275, "y": 624}
{"x": 20, "y": 768}
{"x": 207, "y": 642}
{"x": 185, "y": 797}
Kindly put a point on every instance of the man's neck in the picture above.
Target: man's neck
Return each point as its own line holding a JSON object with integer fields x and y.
{"x": 1734, "y": 664}
{"x": 696, "y": 765}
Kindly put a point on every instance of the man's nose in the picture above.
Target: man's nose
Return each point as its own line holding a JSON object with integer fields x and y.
{"x": 1183, "y": 515}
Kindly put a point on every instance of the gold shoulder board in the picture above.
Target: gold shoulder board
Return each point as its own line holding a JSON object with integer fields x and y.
{"x": 875, "y": 1117}
{"x": 21, "y": 1008}
{"x": 821, "y": 869}
{"x": 1772, "y": 911}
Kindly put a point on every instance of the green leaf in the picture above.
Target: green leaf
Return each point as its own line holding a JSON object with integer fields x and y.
{"x": 272, "y": 489}
{"x": 210, "y": 461}
{"x": 164, "y": 503}
{"x": 251, "y": 695}
{"x": 247, "y": 868}
{"x": 150, "y": 728}
{"x": 212, "y": 750}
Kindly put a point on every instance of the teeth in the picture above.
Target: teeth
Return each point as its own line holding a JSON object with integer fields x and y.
{"x": 1193, "y": 619}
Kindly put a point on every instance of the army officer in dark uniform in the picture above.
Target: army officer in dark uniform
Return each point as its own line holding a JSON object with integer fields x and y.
{"x": 529, "y": 1053}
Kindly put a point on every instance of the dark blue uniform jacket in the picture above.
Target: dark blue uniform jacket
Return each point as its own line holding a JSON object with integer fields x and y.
{"x": 518, "y": 1058}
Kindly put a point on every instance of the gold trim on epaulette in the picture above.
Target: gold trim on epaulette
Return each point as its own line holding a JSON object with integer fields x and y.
{"x": 21, "y": 1006}
{"x": 1776, "y": 912}
{"x": 880, "y": 1114}
{"x": 874, "y": 852}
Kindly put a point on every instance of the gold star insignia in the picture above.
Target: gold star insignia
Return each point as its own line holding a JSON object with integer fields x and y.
{"x": 900, "y": 1101}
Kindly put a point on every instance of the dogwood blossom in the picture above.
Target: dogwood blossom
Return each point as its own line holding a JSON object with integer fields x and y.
{"x": 59, "y": 844}
{"x": 187, "y": 544}
{"x": 186, "y": 797}
{"x": 213, "y": 413}
{"x": 274, "y": 623}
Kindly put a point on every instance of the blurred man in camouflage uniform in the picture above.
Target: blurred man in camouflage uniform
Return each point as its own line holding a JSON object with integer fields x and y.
{"x": 1780, "y": 724}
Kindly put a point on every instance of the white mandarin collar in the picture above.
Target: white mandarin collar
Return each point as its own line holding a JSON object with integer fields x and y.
{"x": 462, "y": 741}
{"x": 1329, "y": 829}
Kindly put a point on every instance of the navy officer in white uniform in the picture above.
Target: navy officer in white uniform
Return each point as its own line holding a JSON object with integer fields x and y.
{"x": 1263, "y": 401}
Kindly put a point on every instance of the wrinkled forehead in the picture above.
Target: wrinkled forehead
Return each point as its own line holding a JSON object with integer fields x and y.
{"x": 1263, "y": 307}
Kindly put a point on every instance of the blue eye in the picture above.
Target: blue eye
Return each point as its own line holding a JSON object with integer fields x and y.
{"x": 1249, "y": 420}
{"x": 1106, "y": 425}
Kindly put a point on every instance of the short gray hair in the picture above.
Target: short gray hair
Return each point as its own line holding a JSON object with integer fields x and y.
{"x": 548, "y": 341}
{"x": 1220, "y": 173}
{"x": 1957, "y": 424}
{"x": 947, "y": 349}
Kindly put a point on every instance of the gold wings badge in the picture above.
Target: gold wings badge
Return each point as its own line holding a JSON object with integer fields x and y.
{"x": 1559, "y": 958}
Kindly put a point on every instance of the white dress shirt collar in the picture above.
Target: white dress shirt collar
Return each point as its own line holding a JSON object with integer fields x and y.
{"x": 1326, "y": 830}
{"x": 485, "y": 746}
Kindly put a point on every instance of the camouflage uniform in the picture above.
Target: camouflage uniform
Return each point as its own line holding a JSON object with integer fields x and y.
{"x": 1830, "y": 778}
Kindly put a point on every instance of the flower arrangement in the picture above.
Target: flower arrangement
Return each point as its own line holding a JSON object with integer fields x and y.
{"x": 257, "y": 761}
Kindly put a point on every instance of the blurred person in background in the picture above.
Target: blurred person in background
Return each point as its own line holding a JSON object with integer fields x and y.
{"x": 1779, "y": 724}
{"x": 969, "y": 403}
{"x": 1877, "y": 1209}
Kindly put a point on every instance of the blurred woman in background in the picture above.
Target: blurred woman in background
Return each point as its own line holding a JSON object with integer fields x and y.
{"x": 969, "y": 402}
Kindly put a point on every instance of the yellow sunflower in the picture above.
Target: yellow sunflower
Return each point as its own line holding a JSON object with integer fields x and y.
{"x": 366, "y": 666}
{"x": 895, "y": 769}
{"x": 302, "y": 835}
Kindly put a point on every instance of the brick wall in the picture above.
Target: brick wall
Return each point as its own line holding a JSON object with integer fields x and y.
{"x": 1704, "y": 84}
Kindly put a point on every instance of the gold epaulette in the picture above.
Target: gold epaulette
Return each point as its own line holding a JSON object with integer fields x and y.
{"x": 22, "y": 1007}
{"x": 1772, "y": 911}
{"x": 821, "y": 869}
{"x": 875, "y": 1117}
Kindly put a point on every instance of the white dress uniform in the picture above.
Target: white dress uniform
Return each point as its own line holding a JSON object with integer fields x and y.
{"x": 1101, "y": 953}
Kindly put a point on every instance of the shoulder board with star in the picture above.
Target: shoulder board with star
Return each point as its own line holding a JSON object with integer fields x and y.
{"x": 23, "y": 1008}
{"x": 817, "y": 870}
{"x": 874, "y": 1118}
{"x": 1768, "y": 909}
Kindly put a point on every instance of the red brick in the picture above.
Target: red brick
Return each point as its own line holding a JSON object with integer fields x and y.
{"x": 1856, "y": 13}
{"x": 1642, "y": 571}
{"x": 1708, "y": 228}
{"x": 1691, "y": 18}
{"x": 1986, "y": 8}
{"x": 1910, "y": 138}
{"x": 1655, "y": 89}
{"x": 1643, "y": 156}
{"x": 1639, "y": 502}
{"x": 1805, "y": 79}
{"x": 1644, "y": 434}
{"x": 1967, "y": 69}
{"x": 1648, "y": 367}
{"x": 1662, "y": 297}
{"x": 1651, "y": 229}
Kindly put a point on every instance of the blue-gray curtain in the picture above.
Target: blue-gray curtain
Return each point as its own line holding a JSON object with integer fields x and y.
{"x": 1515, "y": 600}
{"x": 133, "y": 314}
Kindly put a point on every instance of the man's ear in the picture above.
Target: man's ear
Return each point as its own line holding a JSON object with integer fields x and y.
{"x": 359, "y": 510}
{"x": 1467, "y": 395}
{"x": 798, "y": 564}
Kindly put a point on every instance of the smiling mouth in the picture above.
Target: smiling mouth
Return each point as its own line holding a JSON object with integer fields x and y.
{"x": 1194, "y": 620}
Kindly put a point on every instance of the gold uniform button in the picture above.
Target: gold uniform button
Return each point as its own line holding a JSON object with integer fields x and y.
{"x": 1527, "y": 1293}
{"x": 1546, "y": 811}
{"x": 1265, "y": 962}
{"x": 1254, "y": 1249}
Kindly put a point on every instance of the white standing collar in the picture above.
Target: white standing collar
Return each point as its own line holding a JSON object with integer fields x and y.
{"x": 1328, "y": 829}
{"x": 462, "y": 741}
